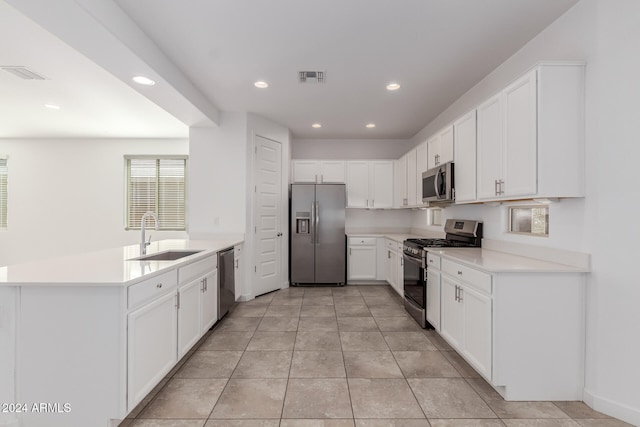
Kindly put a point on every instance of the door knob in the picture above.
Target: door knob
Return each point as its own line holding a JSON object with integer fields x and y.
{"x": 279, "y": 234}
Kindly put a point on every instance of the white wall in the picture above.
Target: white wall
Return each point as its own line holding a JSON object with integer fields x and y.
{"x": 378, "y": 220}
{"x": 67, "y": 196}
{"x": 606, "y": 34}
{"x": 349, "y": 149}
{"x": 217, "y": 177}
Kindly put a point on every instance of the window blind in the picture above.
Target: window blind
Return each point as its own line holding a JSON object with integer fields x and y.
{"x": 156, "y": 185}
{"x": 3, "y": 193}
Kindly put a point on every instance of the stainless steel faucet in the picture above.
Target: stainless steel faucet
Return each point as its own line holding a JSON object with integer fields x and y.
{"x": 143, "y": 242}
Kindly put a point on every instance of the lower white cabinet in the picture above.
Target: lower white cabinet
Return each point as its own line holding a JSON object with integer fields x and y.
{"x": 361, "y": 263}
{"x": 188, "y": 316}
{"x": 467, "y": 314}
{"x": 209, "y": 301}
{"x": 151, "y": 346}
{"x": 239, "y": 274}
{"x": 433, "y": 297}
{"x": 394, "y": 266}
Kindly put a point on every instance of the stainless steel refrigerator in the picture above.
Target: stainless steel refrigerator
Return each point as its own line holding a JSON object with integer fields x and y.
{"x": 318, "y": 242}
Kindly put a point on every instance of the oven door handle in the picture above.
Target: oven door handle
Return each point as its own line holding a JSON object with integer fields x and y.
{"x": 413, "y": 260}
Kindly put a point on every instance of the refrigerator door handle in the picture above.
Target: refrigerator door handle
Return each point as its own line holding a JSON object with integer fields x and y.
{"x": 317, "y": 222}
{"x": 313, "y": 223}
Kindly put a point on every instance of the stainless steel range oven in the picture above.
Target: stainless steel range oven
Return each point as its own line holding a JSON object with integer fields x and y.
{"x": 459, "y": 234}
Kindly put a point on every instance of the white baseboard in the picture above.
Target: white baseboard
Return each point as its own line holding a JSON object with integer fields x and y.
{"x": 614, "y": 409}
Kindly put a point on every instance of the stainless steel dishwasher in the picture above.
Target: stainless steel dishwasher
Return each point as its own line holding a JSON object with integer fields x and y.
{"x": 226, "y": 282}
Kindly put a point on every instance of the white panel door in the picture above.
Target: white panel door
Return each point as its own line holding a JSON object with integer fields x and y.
{"x": 381, "y": 184}
{"x": 520, "y": 128}
{"x": 189, "y": 316}
{"x": 465, "y": 154}
{"x": 412, "y": 177}
{"x": 358, "y": 184}
{"x": 332, "y": 171}
{"x": 269, "y": 215}
{"x": 152, "y": 336}
{"x": 489, "y": 147}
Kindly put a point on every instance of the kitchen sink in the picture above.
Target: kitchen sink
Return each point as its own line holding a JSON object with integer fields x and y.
{"x": 165, "y": 256}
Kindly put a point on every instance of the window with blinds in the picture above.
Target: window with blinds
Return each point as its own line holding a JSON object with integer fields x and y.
{"x": 3, "y": 193}
{"x": 157, "y": 185}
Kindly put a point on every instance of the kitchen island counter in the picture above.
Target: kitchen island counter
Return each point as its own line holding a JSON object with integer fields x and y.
{"x": 110, "y": 267}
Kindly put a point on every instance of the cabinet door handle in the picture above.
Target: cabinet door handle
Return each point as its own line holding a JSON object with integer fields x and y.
{"x": 459, "y": 273}
{"x": 460, "y": 294}
{"x": 501, "y": 183}
{"x": 430, "y": 261}
{"x": 206, "y": 284}
{"x": 495, "y": 186}
{"x": 388, "y": 254}
{"x": 373, "y": 203}
{"x": 236, "y": 263}
{"x": 367, "y": 202}
{"x": 159, "y": 285}
{"x": 349, "y": 251}
{"x": 178, "y": 300}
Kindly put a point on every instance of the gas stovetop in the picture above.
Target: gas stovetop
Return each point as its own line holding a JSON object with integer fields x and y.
{"x": 460, "y": 234}
{"x": 440, "y": 243}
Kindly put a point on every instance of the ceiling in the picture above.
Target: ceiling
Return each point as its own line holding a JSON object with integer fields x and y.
{"x": 93, "y": 103}
{"x": 435, "y": 49}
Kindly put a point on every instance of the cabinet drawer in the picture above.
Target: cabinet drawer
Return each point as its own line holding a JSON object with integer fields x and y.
{"x": 474, "y": 278}
{"x": 433, "y": 261}
{"x": 362, "y": 241}
{"x": 197, "y": 269}
{"x": 151, "y": 288}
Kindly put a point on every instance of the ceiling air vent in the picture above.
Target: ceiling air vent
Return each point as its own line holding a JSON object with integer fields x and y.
{"x": 311, "y": 76}
{"x": 23, "y": 72}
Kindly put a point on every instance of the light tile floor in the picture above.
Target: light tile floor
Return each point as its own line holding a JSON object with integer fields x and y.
{"x": 334, "y": 357}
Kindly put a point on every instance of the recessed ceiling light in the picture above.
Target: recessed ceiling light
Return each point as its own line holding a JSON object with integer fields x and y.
{"x": 261, "y": 85}
{"x": 144, "y": 80}
{"x": 393, "y": 86}
{"x": 52, "y": 106}
{"x": 316, "y": 125}
{"x": 371, "y": 125}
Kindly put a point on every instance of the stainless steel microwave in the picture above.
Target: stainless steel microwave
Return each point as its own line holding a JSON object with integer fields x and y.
{"x": 438, "y": 184}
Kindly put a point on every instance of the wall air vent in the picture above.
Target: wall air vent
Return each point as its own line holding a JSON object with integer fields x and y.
{"x": 311, "y": 76}
{"x": 23, "y": 72}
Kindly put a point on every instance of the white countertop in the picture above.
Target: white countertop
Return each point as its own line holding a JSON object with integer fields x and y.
{"x": 110, "y": 267}
{"x": 502, "y": 262}
{"x": 490, "y": 261}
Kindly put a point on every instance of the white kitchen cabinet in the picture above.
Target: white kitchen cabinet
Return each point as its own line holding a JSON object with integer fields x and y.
{"x": 152, "y": 336}
{"x": 412, "y": 178}
{"x": 440, "y": 147}
{"x": 370, "y": 184}
{"x": 362, "y": 258}
{"x": 421, "y": 166}
{"x": 197, "y": 301}
{"x": 530, "y": 141}
{"x": 465, "y": 155}
{"x": 393, "y": 265}
{"x": 209, "y": 301}
{"x": 400, "y": 183}
{"x": 467, "y": 315}
{"x": 433, "y": 291}
{"x": 451, "y": 315}
{"x": 189, "y": 315}
{"x": 318, "y": 171}
{"x": 238, "y": 273}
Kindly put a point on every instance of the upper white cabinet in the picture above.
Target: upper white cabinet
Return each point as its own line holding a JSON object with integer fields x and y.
{"x": 370, "y": 184}
{"x": 530, "y": 140}
{"x": 318, "y": 171}
{"x": 421, "y": 166}
{"x": 465, "y": 155}
{"x": 440, "y": 148}
{"x": 412, "y": 178}
{"x": 400, "y": 187}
